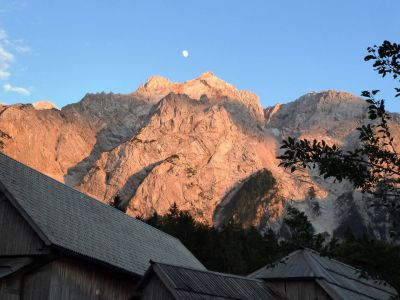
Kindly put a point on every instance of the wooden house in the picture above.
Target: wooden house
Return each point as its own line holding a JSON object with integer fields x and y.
{"x": 168, "y": 282}
{"x": 306, "y": 275}
{"x": 58, "y": 243}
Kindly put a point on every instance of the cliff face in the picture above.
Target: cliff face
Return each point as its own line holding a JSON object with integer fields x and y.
{"x": 202, "y": 144}
{"x": 47, "y": 139}
{"x": 332, "y": 116}
{"x": 193, "y": 143}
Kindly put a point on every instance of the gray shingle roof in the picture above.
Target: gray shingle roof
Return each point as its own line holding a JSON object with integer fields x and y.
{"x": 339, "y": 280}
{"x": 75, "y": 222}
{"x": 189, "y": 284}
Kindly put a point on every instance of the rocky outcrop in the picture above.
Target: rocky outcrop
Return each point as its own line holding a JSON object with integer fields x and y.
{"x": 45, "y": 139}
{"x": 200, "y": 144}
{"x": 40, "y": 105}
{"x": 190, "y": 152}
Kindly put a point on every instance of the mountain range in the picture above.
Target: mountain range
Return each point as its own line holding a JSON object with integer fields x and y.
{"x": 202, "y": 144}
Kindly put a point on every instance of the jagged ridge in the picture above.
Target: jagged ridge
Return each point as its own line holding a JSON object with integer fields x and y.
{"x": 194, "y": 143}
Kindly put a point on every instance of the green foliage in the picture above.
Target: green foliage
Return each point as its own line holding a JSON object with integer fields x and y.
{"x": 229, "y": 249}
{"x": 379, "y": 259}
{"x": 375, "y": 162}
{"x": 386, "y": 59}
{"x": 313, "y": 202}
{"x": 374, "y": 165}
{"x": 235, "y": 250}
{"x": 301, "y": 230}
{"x": 300, "y": 227}
{"x": 117, "y": 203}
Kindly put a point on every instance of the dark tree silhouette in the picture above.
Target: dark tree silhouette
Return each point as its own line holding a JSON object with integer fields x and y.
{"x": 117, "y": 203}
{"x": 374, "y": 165}
{"x": 238, "y": 250}
{"x": 301, "y": 230}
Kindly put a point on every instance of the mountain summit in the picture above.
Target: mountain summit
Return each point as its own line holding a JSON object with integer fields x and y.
{"x": 202, "y": 144}
{"x": 207, "y": 84}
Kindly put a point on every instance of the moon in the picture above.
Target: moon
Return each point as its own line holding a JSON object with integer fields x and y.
{"x": 185, "y": 53}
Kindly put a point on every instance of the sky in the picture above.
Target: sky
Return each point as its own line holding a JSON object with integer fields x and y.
{"x": 280, "y": 50}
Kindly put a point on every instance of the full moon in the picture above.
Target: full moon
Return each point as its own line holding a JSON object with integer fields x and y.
{"x": 185, "y": 53}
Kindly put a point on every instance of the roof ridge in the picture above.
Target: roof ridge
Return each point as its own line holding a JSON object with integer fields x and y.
{"x": 176, "y": 287}
{"x": 212, "y": 272}
{"x": 330, "y": 258}
{"x": 79, "y": 223}
{"x": 309, "y": 264}
{"x": 276, "y": 262}
{"x": 347, "y": 277}
{"x": 87, "y": 196}
{"x": 355, "y": 291}
{"x": 205, "y": 294}
{"x": 51, "y": 178}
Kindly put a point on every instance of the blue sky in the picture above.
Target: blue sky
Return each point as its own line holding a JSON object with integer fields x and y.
{"x": 60, "y": 50}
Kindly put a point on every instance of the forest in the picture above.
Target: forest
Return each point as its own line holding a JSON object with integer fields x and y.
{"x": 237, "y": 250}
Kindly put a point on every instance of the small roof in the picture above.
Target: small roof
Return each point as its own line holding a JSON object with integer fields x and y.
{"x": 189, "y": 284}
{"x": 339, "y": 280}
{"x": 72, "y": 221}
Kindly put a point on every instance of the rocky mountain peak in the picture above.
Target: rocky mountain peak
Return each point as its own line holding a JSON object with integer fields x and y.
{"x": 214, "y": 85}
{"x": 207, "y": 84}
{"x": 329, "y": 97}
{"x": 157, "y": 82}
{"x": 207, "y": 74}
{"x": 323, "y": 113}
{"x": 270, "y": 111}
{"x": 40, "y": 105}
{"x": 201, "y": 143}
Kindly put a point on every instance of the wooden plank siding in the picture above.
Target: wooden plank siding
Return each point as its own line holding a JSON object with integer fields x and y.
{"x": 16, "y": 236}
{"x": 35, "y": 285}
{"x": 10, "y": 287}
{"x": 299, "y": 290}
{"x": 155, "y": 290}
{"x": 67, "y": 278}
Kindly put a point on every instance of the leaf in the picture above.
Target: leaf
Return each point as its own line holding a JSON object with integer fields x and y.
{"x": 369, "y": 57}
{"x": 365, "y": 94}
{"x": 373, "y": 116}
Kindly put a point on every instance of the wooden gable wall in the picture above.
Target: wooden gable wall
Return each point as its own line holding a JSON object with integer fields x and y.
{"x": 68, "y": 278}
{"x": 16, "y": 235}
{"x": 155, "y": 290}
{"x": 299, "y": 289}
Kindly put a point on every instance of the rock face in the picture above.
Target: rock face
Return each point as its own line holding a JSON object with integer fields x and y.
{"x": 40, "y": 105}
{"x": 332, "y": 116}
{"x": 202, "y": 144}
{"x": 47, "y": 140}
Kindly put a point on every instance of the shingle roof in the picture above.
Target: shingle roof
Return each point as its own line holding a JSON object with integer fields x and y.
{"x": 71, "y": 220}
{"x": 339, "y": 280}
{"x": 189, "y": 284}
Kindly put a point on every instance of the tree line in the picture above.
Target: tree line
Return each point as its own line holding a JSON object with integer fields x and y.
{"x": 237, "y": 250}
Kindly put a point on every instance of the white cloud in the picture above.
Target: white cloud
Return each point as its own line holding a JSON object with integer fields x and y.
{"x": 4, "y": 74}
{"x": 6, "y": 58}
{"x": 18, "y": 45}
{"x": 7, "y": 47}
{"x": 16, "y": 89}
